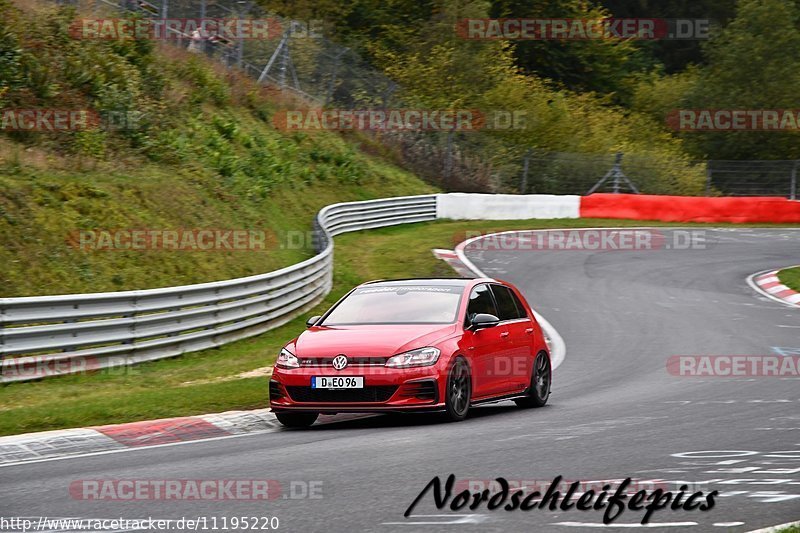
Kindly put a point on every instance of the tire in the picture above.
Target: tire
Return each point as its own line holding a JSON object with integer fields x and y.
{"x": 296, "y": 420}
{"x": 458, "y": 391}
{"x": 541, "y": 380}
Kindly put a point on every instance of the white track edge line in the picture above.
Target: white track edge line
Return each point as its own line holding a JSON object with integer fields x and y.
{"x": 775, "y": 529}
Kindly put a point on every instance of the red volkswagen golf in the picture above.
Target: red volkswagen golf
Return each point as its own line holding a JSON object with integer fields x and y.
{"x": 414, "y": 345}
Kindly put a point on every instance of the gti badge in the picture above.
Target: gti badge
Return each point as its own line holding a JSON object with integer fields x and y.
{"x": 340, "y": 361}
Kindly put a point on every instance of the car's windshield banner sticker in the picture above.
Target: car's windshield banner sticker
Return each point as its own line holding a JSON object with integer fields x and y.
{"x": 402, "y": 289}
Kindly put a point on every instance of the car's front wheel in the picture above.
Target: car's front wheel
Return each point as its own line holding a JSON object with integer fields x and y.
{"x": 539, "y": 389}
{"x": 458, "y": 392}
{"x": 296, "y": 420}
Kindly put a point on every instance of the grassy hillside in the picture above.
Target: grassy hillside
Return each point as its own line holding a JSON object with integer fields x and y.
{"x": 200, "y": 153}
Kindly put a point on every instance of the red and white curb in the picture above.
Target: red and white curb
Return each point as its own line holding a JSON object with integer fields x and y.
{"x": 50, "y": 445}
{"x": 768, "y": 284}
{"x": 451, "y": 258}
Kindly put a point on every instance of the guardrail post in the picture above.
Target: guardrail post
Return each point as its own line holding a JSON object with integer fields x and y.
{"x": 216, "y": 310}
{"x": 69, "y": 348}
{"x": 793, "y": 187}
{"x": 132, "y": 315}
{"x": 708, "y": 177}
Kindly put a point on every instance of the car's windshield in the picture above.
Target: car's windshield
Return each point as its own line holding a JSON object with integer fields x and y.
{"x": 397, "y": 304}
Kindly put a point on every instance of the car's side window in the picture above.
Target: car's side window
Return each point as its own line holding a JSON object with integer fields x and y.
{"x": 521, "y": 312}
{"x": 480, "y": 301}
{"x": 505, "y": 303}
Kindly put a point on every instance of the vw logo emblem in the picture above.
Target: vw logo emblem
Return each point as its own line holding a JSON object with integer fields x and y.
{"x": 340, "y": 361}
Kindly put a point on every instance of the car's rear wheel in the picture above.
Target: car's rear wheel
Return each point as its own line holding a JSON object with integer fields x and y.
{"x": 458, "y": 392}
{"x": 296, "y": 420}
{"x": 539, "y": 389}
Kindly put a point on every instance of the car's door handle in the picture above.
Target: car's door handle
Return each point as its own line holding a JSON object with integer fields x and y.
{"x": 504, "y": 334}
{"x": 529, "y": 331}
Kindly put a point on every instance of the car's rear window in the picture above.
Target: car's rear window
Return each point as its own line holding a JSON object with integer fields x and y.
{"x": 397, "y": 304}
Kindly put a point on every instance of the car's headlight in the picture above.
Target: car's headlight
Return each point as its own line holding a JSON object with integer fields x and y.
{"x": 287, "y": 360}
{"x": 418, "y": 357}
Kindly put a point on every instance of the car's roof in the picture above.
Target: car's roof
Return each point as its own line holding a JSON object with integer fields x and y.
{"x": 447, "y": 282}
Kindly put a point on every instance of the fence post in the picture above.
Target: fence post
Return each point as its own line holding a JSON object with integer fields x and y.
{"x": 241, "y": 12}
{"x": 164, "y": 8}
{"x": 617, "y": 171}
{"x": 332, "y": 85}
{"x": 793, "y": 189}
{"x": 708, "y": 177}
{"x": 284, "y": 67}
{"x": 448, "y": 160}
{"x": 523, "y": 184}
{"x": 387, "y": 94}
{"x": 618, "y": 177}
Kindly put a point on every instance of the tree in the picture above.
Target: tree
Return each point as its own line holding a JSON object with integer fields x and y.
{"x": 675, "y": 55}
{"x": 599, "y": 65}
{"x": 754, "y": 63}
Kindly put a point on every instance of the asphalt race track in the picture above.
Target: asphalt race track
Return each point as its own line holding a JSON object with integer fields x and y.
{"x": 615, "y": 412}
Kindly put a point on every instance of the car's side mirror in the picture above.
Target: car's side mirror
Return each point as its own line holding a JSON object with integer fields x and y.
{"x": 483, "y": 320}
{"x": 313, "y": 320}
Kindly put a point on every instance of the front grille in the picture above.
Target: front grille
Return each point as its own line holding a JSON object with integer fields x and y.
{"x": 422, "y": 390}
{"x": 351, "y": 361}
{"x": 379, "y": 393}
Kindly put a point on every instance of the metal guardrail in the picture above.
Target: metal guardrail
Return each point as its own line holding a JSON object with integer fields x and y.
{"x": 58, "y": 335}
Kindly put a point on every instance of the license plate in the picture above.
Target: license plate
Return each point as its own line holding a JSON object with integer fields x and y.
{"x": 337, "y": 382}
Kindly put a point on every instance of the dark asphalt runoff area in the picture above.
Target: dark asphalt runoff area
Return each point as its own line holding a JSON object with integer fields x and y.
{"x": 615, "y": 412}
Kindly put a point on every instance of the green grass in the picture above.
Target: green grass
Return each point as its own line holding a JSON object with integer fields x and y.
{"x": 790, "y": 529}
{"x": 185, "y": 385}
{"x": 790, "y": 277}
{"x": 41, "y": 210}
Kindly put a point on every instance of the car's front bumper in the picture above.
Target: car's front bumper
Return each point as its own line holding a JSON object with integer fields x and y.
{"x": 385, "y": 389}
